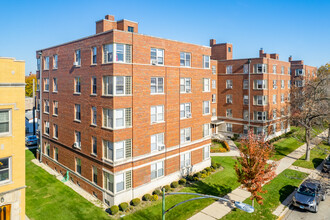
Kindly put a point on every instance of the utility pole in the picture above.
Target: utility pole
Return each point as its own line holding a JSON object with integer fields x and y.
{"x": 40, "y": 110}
{"x": 34, "y": 108}
{"x": 249, "y": 64}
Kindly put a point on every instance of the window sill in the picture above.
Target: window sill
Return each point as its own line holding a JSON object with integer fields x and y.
{"x": 55, "y": 115}
{"x": 94, "y": 155}
{"x": 185, "y": 66}
{"x": 54, "y": 68}
{"x": 185, "y": 92}
{"x": 46, "y": 134}
{"x": 157, "y": 178}
{"x": 47, "y": 113}
{"x": 93, "y": 64}
{"x": 76, "y": 93}
{"x": 55, "y": 92}
{"x": 205, "y": 91}
{"x": 157, "y": 122}
{"x": 114, "y": 129}
{"x": 76, "y": 120}
{"x": 56, "y": 138}
{"x": 7, "y": 182}
{"x": 157, "y": 93}
{"x": 185, "y": 118}
{"x": 206, "y": 114}
{"x": 93, "y": 95}
{"x": 46, "y": 90}
{"x": 93, "y": 125}
{"x": 77, "y": 66}
{"x": 157, "y": 64}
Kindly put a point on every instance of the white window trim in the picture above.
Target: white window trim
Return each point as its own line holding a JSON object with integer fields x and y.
{"x": 157, "y": 142}
{"x": 206, "y": 148}
{"x": 204, "y": 61}
{"x": 9, "y": 171}
{"x": 151, "y": 60}
{"x": 185, "y": 158}
{"x": 186, "y": 88}
{"x": 157, "y": 85}
{"x": 55, "y": 64}
{"x": 157, "y": 174}
{"x": 114, "y": 85}
{"x": 204, "y": 108}
{"x": 157, "y": 120}
{"x": 114, "y": 114}
{"x": 114, "y": 52}
{"x": 185, "y": 135}
{"x": 208, "y": 129}
{"x": 185, "y": 59}
{"x": 185, "y": 110}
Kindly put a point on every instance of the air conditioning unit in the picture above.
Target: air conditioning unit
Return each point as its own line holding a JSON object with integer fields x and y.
{"x": 188, "y": 90}
{"x": 188, "y": 115}
{"x": 161, "y": 147}
{"x": 75, "y": 63}
{"x": 154, "y": 62}
{"x": 76, "y": 145}
{"x": 230, "y": 87}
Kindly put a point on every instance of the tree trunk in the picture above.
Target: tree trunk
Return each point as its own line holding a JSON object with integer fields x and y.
{"x": 253, "y": 202}
{"x": 329, "y": 133}
{"x": 308, "y": 140}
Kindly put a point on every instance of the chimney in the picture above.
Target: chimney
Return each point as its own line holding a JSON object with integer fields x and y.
{"x": 261, "y": 52}
{"x": 110, "y": 17}
{"x": 212, "y": 42}
{"x": 290, "y": 58}
{"x": 274, "y": 56}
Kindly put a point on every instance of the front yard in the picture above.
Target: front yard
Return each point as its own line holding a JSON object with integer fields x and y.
{"x": 317, "y": 155}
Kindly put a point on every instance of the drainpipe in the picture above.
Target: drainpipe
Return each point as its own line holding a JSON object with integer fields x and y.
{"x": 41, "y": 104}
{"x": 249, "y": 63}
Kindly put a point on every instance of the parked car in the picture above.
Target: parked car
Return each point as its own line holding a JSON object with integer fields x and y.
{"x": 309, "y": 195}
{"x": 31, "y": 140}
{"x": 326, "y": 164}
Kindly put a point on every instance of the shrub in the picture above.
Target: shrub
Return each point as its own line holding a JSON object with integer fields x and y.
{"x": 157, "y": 192}
{"x": 212, "y": 169}
{"x": 190, "y": 178}
{"x": 226, "y": 145}
{"x": 208, "y": 173}
{"x": 203, "y": 171}
{"x": 203, "y": 176}
{"x": 213, "y": 164}
{"x": 147, "y": 197}
{"x": 135, "y": 202}
{"x": 123, "y": 206}
{"x": 196, "y": 178}
{"x": 154, "y": 197}
{"x": 167, "y": 188}
{"x": 182, "y": 181}
{"x": 218, "y": 165}
{"x": 235, "y": 137}
{"x": 208, "y": 169}
{"x": 198, "y": 175}
{"x": 174, "y": 184}
{"x": 114, "y": 209}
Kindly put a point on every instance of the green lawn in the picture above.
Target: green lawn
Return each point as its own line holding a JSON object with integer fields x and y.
{"x": 220, "y": 184}
{"x": 278, "y": 189}
{"x": 318, "y": 154}
{"x": 48, "y": 198}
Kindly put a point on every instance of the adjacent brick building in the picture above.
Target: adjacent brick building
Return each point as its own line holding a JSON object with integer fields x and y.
{"x": 301, "y": 73}
{"x": 124, "y": 112}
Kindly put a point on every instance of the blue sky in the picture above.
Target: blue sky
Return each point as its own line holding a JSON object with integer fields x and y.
{"x": 297, "y": 28}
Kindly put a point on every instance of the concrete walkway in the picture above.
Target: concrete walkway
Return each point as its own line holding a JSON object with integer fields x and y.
{"x": 219, "y": 209}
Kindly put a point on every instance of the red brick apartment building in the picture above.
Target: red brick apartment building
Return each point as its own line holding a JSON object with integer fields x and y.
{"x": 301, "y": 73}
{"x": 251, "y": 95}
{"x": 126, "y": 113}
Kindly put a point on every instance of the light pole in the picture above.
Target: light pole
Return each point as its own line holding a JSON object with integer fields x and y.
{"x": 243, "y": 206}
{"x": 41, "y": 103}
{"x": 249, "y": 64}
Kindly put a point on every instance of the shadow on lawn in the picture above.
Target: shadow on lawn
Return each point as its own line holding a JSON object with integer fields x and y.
{"x": 211, "y": 189}
{"x": 317, "y": 162}
{"x": 285, "y": 191}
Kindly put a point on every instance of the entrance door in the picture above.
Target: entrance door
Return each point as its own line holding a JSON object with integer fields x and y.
{"x": 5, "y": 212}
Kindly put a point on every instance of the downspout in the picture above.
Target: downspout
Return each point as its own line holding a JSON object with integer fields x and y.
{"x": 41, "y": 104}
{"x": 249, "y": 73}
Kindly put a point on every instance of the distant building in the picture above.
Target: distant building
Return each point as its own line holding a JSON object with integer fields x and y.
{"x": 12, "y": 141}
{"x": 301, "y": 73}
{"x": 29, "y": 122}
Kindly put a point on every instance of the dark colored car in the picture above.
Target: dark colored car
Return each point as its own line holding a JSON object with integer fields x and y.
{"x": 31, "y": 140}
{"x": 326, "y": 164}
{"x": 309, "y": 195}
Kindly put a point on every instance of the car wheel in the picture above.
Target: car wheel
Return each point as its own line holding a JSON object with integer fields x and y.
{"x": 324, "y": 196}
{"x": 316, "y": 209}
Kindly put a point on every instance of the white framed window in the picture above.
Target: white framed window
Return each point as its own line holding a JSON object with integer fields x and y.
{"x": 122, "y": 52}
{"x": 214, "y": 112}
{"x": 282, "y": 98}
{"x": 77, "y": 57}
{"x": 185, "y": 85}
{"x": 77, "y": 136}
{"x": 229, "y": 113}
{"x": 157, "y": 170}
{"x": 260, "y": 68}
{"x": 55, "y": 60}
{"x": 117, "y": 151}
{"x": 94, "y": 86}
{"x": 47, "y": 127}
{"x": 206, "y": 152}
{"x": 185, "y": 110}
{"x": 299, "y": 83}
{"x": 46, "y": 66}
{"x": 260, "y": 116}
{"x": 229, "y": 69}
{"x": 94, "y": 55}
{"x": 157, "y": 142}
{"x": 245, "y": 129}
{"x": 5, "y": 170}
{"x": 206, "y": 130}
{"x": 5, "y": 122}
{"x": 55, "y": 131}
{"x": 117, "y": 118}
{"x": 185, "y": 59}
{"x": 94, "y": 116}
{"x": 94, "y": 145}
{"x": 157, "y": 85}
{"x": 274, "y": 84}
{"x": 94, "y": 173}
{"x": 55, "y": 89}
{"x": 185, "y": 135}
{"x": 206, "y": 62}
{"x": 156, "y": 56}
{"x": 229, "y": 127}
{"x": 47, "y": 151}
{"x": 245, "y": 100}
{"x": 78, "y": 165}
{"x": 282, "y": 112}
{"x": 245, "y": 84}
{"x": 282, "y": 126}
{"x": 214, "y": 100}
{"x": 117, "y": 85}
{"x": 38, "y": 84}
{"x": 214, "y": 70}
{"x": 260, "y": 84}
{"x": 300, "y": 72}
{"x": 289, "y": 98}
{"x": 206, "y": 85}
{"x": 260, "y": 100}
{"x": 274, "y": 114}
{"x": 282, "y": 69}
{"x": 258, "y": 130}
{"x": 246, "y": 68}
{"x": 274, "y": 99}
{"x": 56, "y": 153}
{"x": 185, "y": 160}
{"x": 46, "y": 106}
{"x": 245, "y": 114}
{"x": 55, "y": 107}
{"x": 77, "y": 87}
{"x": 289, "y": 84}
{"x": 46, "y": 84}
{"x": 157, "y": 114}
{"x": 214, "y": 84}
{"x": 282, "y": 84}
{"x": 108, "y": 181}
{"x": 77, "y": 112}
{"x": 274, "y": 68}
{"x": 206, "y": 107}
{"x": 229, "y": 99}
{"x": 229, "y": 84}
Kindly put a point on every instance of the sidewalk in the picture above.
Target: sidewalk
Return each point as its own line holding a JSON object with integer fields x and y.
{"x": 219, "y": 209}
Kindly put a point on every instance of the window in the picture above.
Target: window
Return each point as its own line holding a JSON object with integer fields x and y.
{"x": 300, "y": 72}
{"x": 229, "y": 84}
{"x": 206, "y": 85}
{"x": 123, "y": 53}
{"x": 274, "y": 68}
{"x": 282, "y": 111}
{"x": 117, "y": 85}
{"x": 260, "y": 84}
{"x": 157, "y": 113}
{"x": 94, "y": 115}
{"x": 94, "y": 174}
{"x": 229, "y": 113}
{"x": 47, "y": 149}
{"x": 214, "y": 84}
{"x": 185, "y": 85}
{"x": 282, "y": 126}
{"x": 94, "y": 145}
{"x": 246, "y": 115}
{"x": 229, "y": 49}
{"x": 108, "y": 150}
{"x": 55, "y": 58}
{"x": 260, "y": 68}
{"x": 206, "y": 152}
{"x": 245, "y": 129}
{"x": 282, "y": 69}
{"x": 214, "y": 112}
{"x": 157, "y": 85}
{"x": 94, "y": 53}
{"x": 78, "y": 165}
{"x": 299, "y": 83}
{"x": 289, "y": 98}
{"x": 206, "y": 62}
{"x": 260, "y": 116}
{"x": 282, "y": 98}
{"x": 282, "y": 84}
{"x": 185, "y": 160}
{"x": 77, "y": 58}
{"x": 55, "y": 108}
{"x": 38, "y": 64}
{"x": 245, "y": 84}
{"x": 185, "y": 110}
{"x": 258, "y": 130}
{"x": 108, "y": 181}
{"x": 77, "y": 112}
{"x": 157, "y": 56}
{"x": 78, "y": 139}
{"x": 274, "y": 114}
{"x": 117, "y": 118}
{"x": 206, "y": 130}
{"x": 77, "y": 85}
{"x": 130, "y": 29}
{"x": 274, "y": 128}
{"x": 118, "y": 150}
{"x": 55, "y": 131}
{"x": 157, "y": 142}
{"x": 185, "y": 59}
{"x": 206, "y": 107}
{"x": 54, "y": 84}
{"x": 56, "y": 153}
{"x": 274, "y": 99}
{"x": 229, "y": 99}
{"x": 185, "y": 135}
{"x": 4, "y": 121}
{"x": 245, "y": 100}
{"x": 229, "y": 69}
{"x": 246, "y": 68}
{"x": 260, "y": 100}
{"x": 46, "y": 108}
{"x": 46, "y": 84}
{"x": 274, "y": 84}
{"x": 214, "y": 100}
{"x": 229, "y": 127}
{"x": 214, "y": 70}
{"x": 5, "y": 170}
{"x": 289, "y": 84}
{"x": 46, "y": 66}
{"x": 38, "y": 84}
{"x": 157, "y": 170}
{"x": 47, "y": 127}
{"x": 93, "y": 85}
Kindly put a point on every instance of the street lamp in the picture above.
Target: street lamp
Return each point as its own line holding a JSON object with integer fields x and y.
{"x": 242, "y": 206}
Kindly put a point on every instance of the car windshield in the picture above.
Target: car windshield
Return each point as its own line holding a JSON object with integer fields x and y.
{"x": 306, "y": 191}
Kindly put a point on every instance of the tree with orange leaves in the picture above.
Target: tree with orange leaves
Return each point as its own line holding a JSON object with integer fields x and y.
{"x": 252, "y": 168}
